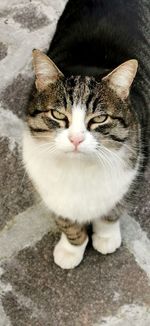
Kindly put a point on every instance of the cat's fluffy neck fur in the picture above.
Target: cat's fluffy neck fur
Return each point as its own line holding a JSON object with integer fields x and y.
{"x": 79, "y": 189}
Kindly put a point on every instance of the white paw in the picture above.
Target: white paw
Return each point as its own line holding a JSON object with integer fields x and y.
{"x": 66, "y": 255}
{"x": 106, "y": 245}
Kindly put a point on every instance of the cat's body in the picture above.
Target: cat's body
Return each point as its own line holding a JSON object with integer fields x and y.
{"x": 83, "y": 146}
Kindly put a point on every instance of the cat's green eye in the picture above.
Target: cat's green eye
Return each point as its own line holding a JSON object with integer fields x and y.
{"x": 99, "y": 119}
{"x": 58, "y": 115}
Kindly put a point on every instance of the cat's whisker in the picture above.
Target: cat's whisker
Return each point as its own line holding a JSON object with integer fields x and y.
{"x": 130, "y": 149}
{"x": 100, "y": 160}
{"x": 45, "y": 145}
{"x": 115, "y": 159}
{"x": 124, "y": 145}
{"x": 102, "y": 150}
{"x": 114, "y": 156}
{"x": 102, "y": 156}
{"x": 48, "y": 150}
{"x": 111, "y": 161}
{"x": 43, "y": 148}
{"x": 51, "y": 150}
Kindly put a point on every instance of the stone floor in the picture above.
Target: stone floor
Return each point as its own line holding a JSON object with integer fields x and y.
{"x": 111, "y": 290}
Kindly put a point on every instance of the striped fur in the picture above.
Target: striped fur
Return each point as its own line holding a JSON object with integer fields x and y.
{"x": 76, "y": 234}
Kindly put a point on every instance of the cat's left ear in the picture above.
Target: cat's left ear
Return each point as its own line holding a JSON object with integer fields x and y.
{"x": 45, "y": 70}
{"x": 121, "y": 78}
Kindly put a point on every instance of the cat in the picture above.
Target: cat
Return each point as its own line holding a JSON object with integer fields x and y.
{"x": 82, "y": 144}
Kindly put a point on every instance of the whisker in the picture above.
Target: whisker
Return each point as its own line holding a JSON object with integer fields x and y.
{"x": 124, "y": 145}
{"x": 105, "y": 158}
{"x": 43, "y": 148}
{"x": 114, "y": 156}
{"x": 109, "y": 163}
{"x": 100, "y": 159}
{"x": 130, "y": 149}
{"x": 48, "y": 150}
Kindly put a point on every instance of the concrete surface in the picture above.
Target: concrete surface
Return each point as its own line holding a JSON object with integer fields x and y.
{"x": 112, "y": 290}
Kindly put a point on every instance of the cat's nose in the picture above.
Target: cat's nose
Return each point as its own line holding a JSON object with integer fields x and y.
{"x": 76, "y": 139}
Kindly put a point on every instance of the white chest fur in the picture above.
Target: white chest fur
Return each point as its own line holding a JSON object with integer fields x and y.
{"x": 74, "y": 188}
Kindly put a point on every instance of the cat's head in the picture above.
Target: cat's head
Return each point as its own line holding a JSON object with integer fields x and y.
{"x": 80, "y": 115}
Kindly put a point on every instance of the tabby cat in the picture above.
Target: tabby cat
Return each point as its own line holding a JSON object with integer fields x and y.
{"x": 82, "y": 142}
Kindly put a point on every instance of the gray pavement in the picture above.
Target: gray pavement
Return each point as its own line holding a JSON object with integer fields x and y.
{"x": 112, "y": 290}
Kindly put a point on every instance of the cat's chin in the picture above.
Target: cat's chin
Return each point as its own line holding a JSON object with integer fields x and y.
{"x": 75, "y": 154}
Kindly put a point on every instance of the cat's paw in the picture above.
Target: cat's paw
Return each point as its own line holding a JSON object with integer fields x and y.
{"x": 66, "y": 255}
{"x": 106, "y": 245}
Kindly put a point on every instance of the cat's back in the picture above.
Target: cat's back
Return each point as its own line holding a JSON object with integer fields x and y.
{"x": 93, "y": 35}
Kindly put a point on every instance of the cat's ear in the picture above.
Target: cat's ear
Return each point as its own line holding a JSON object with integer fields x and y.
{"x": 121, "y": 78}
{"x": 45, "y": 70}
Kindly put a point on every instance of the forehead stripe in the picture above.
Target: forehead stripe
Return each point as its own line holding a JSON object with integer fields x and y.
{"x": 89, "y": 100}
{"x": 94, "y": 106}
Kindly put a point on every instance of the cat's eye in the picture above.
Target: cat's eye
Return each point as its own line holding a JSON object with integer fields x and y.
{"x": 96, "y": 121}
{"x": 58, "y": 115}
{"x": 99, "y": 119}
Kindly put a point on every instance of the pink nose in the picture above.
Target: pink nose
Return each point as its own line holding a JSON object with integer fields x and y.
{"x": 76, "y": 140}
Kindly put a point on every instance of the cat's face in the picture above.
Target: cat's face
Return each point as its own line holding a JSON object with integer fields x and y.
{"x": 79, "y": 116}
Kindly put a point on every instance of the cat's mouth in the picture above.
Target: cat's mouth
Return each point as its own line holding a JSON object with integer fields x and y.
{"x": 74, "y": 153}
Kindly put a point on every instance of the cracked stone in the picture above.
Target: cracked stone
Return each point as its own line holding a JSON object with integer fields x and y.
{"x": 141, "y": 202}
{"x": 16, "y": 96}
{"x": 16, "y": 190}
{"x": 3, "y": 50}
{"x": 98, "y": 287}
{"x": 29, "y": 17}
{"x": 17, "y": 311}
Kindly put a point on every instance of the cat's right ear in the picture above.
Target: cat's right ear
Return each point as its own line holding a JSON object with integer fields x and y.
{"x": 46, "y": 71}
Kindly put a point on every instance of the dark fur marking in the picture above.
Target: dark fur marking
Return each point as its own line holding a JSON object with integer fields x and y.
{"x": 89, "y": 99}
{"x": 116, "y": 138}
{"x": 75, "y": 237}
{"x": 34, "y": 113}
{"x": 66, "y": 123}
{"x": 103, "y": 129}
{"x": 37, "y": 129}
{"x": 70, "y": 93}
{"x": 65, "y": 102}
{"x": 121, "y": 120}
{"x": 51, "y": 123}
{"x": 94, "y": 106}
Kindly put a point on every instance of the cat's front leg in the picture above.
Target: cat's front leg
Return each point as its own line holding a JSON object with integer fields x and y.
{"x": 69, "y": 251}
{"x": 106, "y": 235}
